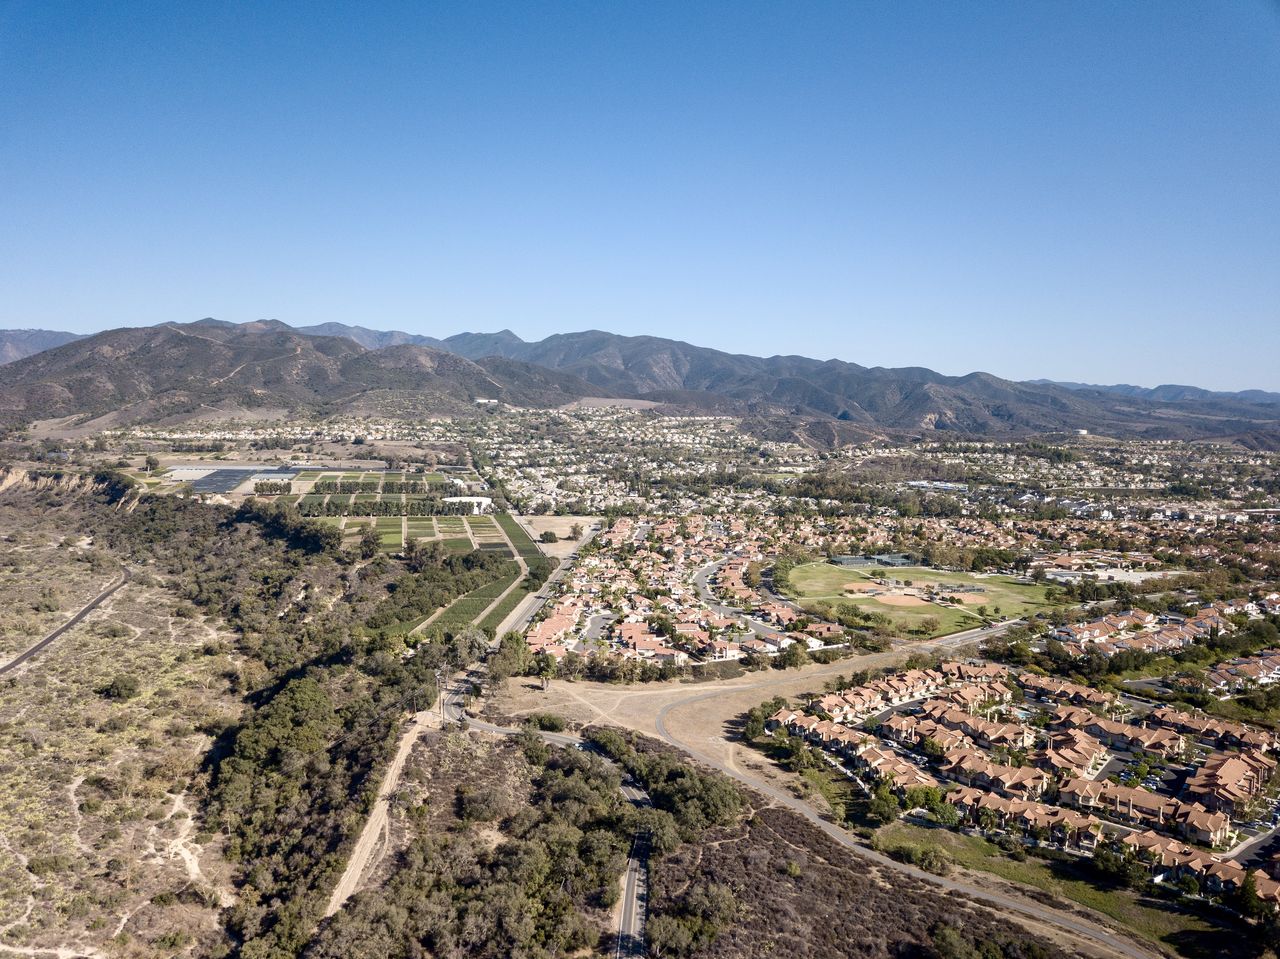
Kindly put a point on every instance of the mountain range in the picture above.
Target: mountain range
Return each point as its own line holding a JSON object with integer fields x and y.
{"x": 176, "y": 370}
{"x": 15, "y": 344}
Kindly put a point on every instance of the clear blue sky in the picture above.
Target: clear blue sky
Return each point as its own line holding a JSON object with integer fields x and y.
{"x": 1074, "y": 190}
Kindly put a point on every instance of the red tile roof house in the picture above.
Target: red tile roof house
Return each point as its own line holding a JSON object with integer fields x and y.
{"x": 1170, "y": 859}
{"x": 1210, "y": 730}
{"x": 783, "y": 717}
{"x": 981, "y": 731}
{"x": 827, "y": 631}
{"x": 1140, "y": 807}
{"x": 1071, "y": 830}
{"x": 1048, "y": 689}
{"x": 973, "y": 672}
{"x": 777, "y": 613}
{"x": 1165, "y": 742}
{"x": 980, "y": 698}
{"x": 972, "y": 768}
{"x": 885, "y": 765}
{"x": 914, "y": 730}
{"x": 720, "y": 650}
{"x": 758, "y": 646}
{"x": 1072, "y": 754}
{"x": 1227, "y": 782}
{"x": 1083, "y": 632}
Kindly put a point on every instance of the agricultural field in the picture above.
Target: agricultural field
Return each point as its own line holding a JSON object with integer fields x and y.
{"x": 421, "y": 527}
{"x": 911, "y": 595}
{"x": 102, "y": 736}
{"x": 464, "y": 610}
{"x": 520, "y": 539}
{"x": 390, "y": 532}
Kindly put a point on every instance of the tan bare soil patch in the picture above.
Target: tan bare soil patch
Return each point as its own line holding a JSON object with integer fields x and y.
{"x": 562, "y": 526}
{"x": 901, "y": 599}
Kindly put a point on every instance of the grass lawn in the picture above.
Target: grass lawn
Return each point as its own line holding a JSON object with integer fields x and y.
{"x": 462, "y": 545}
{"x": 826, "y": 582}
{"x": 367, "y": 497}
{"x": 1189, "y": 930}
{"x": 431, "y": 478}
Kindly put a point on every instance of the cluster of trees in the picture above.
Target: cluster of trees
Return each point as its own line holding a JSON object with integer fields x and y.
{"x": 325, "y": 678}
{"x": 427, "y": 506}
{"x": 272, "y": 487}
{"x": 345, "y": 486}
{"x": 537, "y": 894}
{"x": 278, "y": 521}
{"x": 694, "y": 800}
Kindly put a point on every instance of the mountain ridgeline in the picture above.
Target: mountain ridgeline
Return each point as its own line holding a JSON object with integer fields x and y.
{"x": 178, "y": 370}
{"x": 16, "y": 344}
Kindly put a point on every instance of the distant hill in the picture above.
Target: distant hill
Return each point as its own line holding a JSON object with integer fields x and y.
{"x": 16, "y": 344}
{"x": 1169, "y": 393}
{"x": 905, "y": 400}
{"x": 178, "y": 370}
{"x": 369, "y": 339}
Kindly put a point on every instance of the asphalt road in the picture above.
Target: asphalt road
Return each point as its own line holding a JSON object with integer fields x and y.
{"x": 630, "y": 941}
{"x": 635, "y": 889}
{"x": 539, "y": 599}
{"x": 74, "y": 620}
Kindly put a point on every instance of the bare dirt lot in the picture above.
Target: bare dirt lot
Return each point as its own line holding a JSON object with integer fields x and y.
{"x": 901, "y": 599}
{"x": 562, "y": 526}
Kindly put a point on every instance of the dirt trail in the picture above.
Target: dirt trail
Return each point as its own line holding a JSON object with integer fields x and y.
{"x": 698, "y": 718}
{"x": 376, "y": 828}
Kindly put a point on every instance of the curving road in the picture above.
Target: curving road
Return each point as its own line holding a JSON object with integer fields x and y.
{"x": 1052, "y": 917}
{"x": 73, "y": 621}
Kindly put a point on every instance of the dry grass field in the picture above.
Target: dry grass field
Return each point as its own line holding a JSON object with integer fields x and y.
{"x": 33, "y": 602}
{"x": 101, "y": 736}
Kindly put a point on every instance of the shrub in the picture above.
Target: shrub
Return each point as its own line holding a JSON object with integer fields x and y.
{"x": 122, "y": 686}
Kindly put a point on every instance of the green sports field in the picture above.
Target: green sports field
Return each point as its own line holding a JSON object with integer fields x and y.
{"x": 1003, "y": 597}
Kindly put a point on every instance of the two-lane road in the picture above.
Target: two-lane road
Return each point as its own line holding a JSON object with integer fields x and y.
{"x": 633, "y": 909}
{"x": 73, "y": 621}
{"x": 635, "y": 895}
